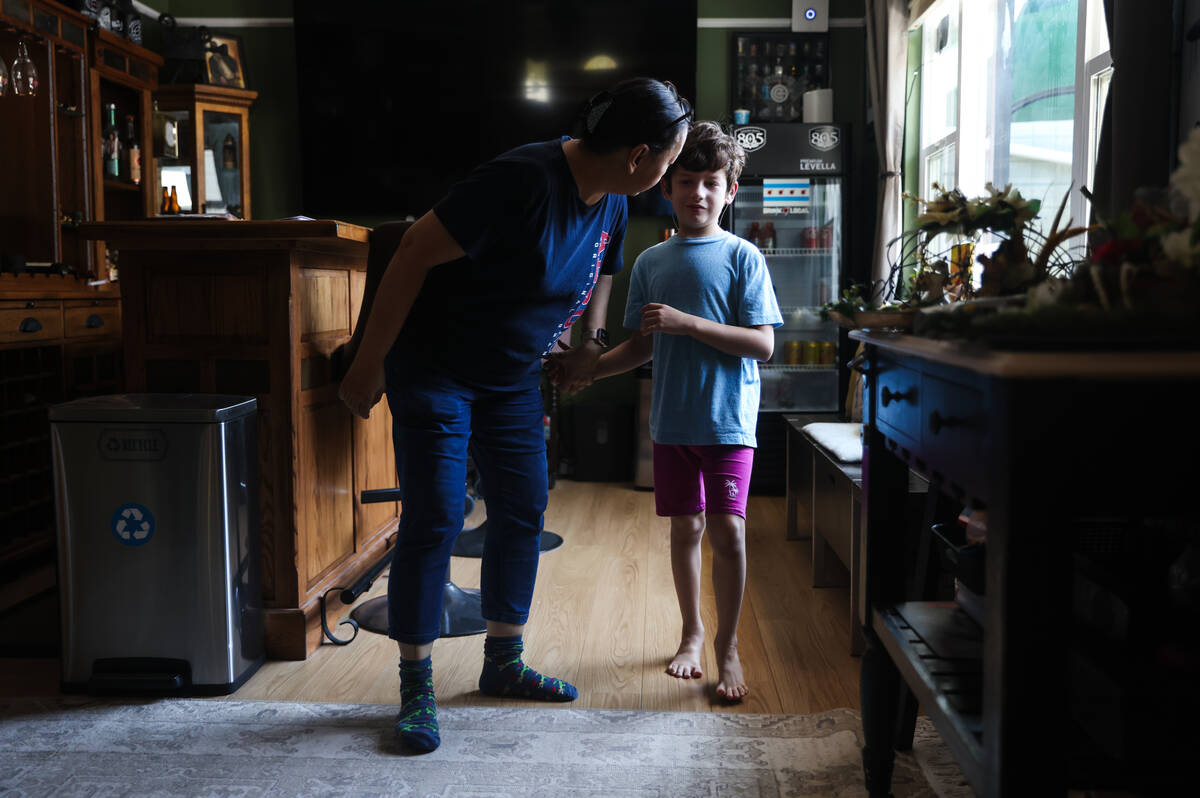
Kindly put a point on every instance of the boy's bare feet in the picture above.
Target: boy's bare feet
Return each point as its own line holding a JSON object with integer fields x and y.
{"x": 686, "y": 662}
{"x": 731, "y": 682}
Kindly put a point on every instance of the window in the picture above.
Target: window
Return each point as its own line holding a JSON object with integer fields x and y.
{"x": 1011, "y": 92}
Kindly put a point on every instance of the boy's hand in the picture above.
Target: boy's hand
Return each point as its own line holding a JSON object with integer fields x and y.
{"x": 657, "y": 317}
{"x": 572, "y": 370}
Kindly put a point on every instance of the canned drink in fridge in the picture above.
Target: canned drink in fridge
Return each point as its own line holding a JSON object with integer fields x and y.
{"x": 828, "y": 353}
{"x": 812, "y": 353}
{"x": 792, "y": 353}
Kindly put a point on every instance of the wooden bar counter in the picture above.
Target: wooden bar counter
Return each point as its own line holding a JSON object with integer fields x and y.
{"x": 255, "y": 308}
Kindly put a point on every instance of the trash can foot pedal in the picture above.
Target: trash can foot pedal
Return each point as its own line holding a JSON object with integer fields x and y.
{"x": 140, "y": 675}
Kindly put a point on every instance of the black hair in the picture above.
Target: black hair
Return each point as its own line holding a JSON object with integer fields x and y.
{"x": 709, "y": 148}
{"x": 635, "y": 111}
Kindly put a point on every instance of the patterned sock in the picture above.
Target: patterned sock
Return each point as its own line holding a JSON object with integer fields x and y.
{"x": 417, "y": 725}
{"x": 505, "y": 675}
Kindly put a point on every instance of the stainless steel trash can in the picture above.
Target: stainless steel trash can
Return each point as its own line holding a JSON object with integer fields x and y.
{"x": 158, "y": 552}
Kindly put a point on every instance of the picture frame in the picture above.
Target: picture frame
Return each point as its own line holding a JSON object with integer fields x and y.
{"x": 224, "y": 62}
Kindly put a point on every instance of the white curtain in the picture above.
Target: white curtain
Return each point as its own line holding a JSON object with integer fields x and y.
{"x": 887, "y": 67}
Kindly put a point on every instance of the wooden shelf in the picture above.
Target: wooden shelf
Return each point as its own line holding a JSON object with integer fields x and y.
{"x": 121, "y": 185}
{"x": 53, "y": 286}
{"x": 947, "y": 687}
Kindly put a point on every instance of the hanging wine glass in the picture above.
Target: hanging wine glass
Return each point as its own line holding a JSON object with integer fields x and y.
{"x": 3, "y": 78}
{"x": 24, "y": 73}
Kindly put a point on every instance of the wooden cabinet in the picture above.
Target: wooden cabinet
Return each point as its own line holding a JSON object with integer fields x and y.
{"x": 45, "y": 141}
{"x": 1086, "y": 523}
{"x": 256, "y": 308}
{"x": 120, "y": 81}
{"x": 209, "y": 161}
{"x": 59, "y": 340}
{"x": 59, "y": 328}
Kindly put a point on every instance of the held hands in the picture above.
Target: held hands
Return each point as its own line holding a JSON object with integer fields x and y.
{"x": 362, "y": 387}
{"x": 657, "y": 317}
{"x": 570, "y": 369}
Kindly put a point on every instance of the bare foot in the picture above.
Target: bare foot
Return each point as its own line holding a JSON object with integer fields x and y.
{"x": 686, "y": 662}
{"x": 731, "y": 684}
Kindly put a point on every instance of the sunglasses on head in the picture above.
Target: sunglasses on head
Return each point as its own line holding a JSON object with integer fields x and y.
{"x": 683, "y": 103}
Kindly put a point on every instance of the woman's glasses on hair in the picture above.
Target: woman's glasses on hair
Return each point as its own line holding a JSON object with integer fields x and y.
{"x": 683, "y": 103}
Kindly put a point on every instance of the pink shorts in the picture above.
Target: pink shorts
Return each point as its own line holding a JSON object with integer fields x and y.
{"x": 687, "y": 478}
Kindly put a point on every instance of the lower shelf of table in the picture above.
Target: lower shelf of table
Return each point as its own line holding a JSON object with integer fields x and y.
{"x": 939, "y": 653}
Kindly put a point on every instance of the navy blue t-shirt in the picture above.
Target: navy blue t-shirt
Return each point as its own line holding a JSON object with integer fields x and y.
{"x": 534, "y": 253}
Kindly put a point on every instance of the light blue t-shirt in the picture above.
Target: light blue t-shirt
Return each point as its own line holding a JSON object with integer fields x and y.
{"x": 703, "y": 396}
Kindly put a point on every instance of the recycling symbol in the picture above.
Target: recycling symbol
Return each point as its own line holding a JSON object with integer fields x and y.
{"x": 132, "y": 524}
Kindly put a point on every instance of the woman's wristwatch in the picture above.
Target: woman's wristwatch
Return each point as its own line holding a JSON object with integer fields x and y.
{"x": 599, "y": 335}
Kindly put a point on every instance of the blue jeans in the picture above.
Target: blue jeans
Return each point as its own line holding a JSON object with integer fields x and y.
{"x": 435, "y": 418}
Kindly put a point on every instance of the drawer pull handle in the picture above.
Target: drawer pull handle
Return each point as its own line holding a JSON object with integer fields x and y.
{"x": 30, "y": 325}
{"x": 887, "y": 395}
{"x": 859, "y": 364}
{"x": 937, "y": 421}
{"x": 93, "y": 322}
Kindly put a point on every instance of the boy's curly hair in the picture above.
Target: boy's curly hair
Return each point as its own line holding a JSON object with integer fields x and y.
{"x": 709, "y": 148}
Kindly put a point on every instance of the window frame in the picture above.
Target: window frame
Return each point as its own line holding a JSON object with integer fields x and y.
{"x": 1084, "y": 132}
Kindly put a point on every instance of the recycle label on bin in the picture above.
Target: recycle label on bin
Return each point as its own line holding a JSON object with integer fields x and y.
{"x": 133, "y": 524}
{"x": 132, "y": 444}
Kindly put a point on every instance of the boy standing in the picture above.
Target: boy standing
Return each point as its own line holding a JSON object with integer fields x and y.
{"x": 703, "y": 308}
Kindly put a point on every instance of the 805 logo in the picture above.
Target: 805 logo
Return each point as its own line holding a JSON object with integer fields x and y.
{"x": 824, "y": 138}
{"x": 751, "y": 138}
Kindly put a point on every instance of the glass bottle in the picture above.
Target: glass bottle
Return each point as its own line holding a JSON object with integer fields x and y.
{"x": 174, "y": 200}
{"x": 110, "y": 142}
{"x": 165, "y": 207}
{"x": 128, "y": 139}
{"x": 24, "y": 74}
{"x": 768, "y": 237}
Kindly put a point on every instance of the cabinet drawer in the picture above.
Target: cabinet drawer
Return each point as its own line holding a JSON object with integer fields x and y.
{"x": 898, "y": 402}
{"x": 833, "y": 507}
{"x": 102, "y": 317}
{"x": 42, "y": 321}
{"x": 954, "y": 429}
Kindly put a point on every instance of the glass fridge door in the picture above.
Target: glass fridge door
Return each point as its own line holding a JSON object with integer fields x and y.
{"x": 222, "y": 163}
{"x": 796, "y": 223}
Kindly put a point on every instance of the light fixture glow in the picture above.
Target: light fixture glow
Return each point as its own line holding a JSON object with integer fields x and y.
{"x": 600, "y": 62}
{"x": 537, "y": 81}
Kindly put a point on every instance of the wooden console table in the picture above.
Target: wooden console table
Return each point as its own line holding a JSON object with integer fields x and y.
{"x": 1068, "y": 453}
{"x": 255, "y": 308}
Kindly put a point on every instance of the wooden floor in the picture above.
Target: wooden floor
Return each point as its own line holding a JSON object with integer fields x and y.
{"x": 605, "y": 618}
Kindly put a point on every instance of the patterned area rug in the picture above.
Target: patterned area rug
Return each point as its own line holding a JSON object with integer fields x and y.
{"x": 199, "y": 747}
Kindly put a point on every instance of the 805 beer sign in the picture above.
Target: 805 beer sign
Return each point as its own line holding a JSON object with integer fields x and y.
{"x": 751, "y": 138}
{"x": 824, "y": 138}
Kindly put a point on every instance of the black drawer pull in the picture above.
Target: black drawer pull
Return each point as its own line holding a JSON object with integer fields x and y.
{"x": 887, "y": 395}
{"x": 859, "y": 364}
{"x": 93, "y": 322}
{"x": 30, "y": 325}
{"x": 937, "y": 421}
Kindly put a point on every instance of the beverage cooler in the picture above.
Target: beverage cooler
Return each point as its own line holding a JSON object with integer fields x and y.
{"x": 791, "y": 205}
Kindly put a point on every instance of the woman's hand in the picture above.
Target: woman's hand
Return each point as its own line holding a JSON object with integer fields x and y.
{"x": 362, "y": 387}
{"x": 657, "y": 317}
{"x": 572, "y": 370}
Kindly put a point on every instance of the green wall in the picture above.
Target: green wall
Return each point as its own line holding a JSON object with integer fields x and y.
{"x": 270, "y": 56}
{"x": 275, "y": 143}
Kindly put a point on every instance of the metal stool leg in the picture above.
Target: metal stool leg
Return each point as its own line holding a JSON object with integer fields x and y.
{"x": 461, "y": 607}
